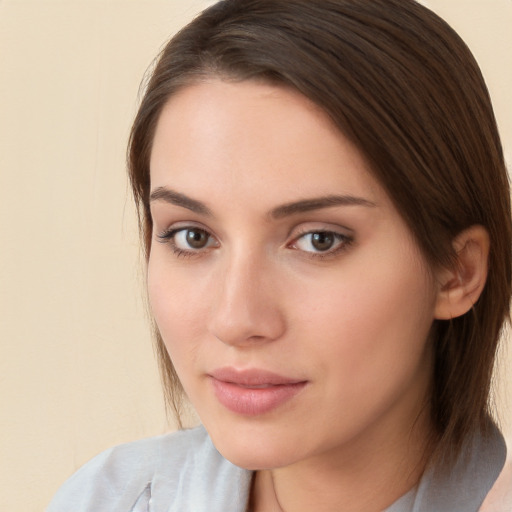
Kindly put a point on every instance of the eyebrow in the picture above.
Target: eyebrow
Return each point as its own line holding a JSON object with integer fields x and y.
{"x": 318, "y": 203}
{"x": 285, "y": 210}
{"x": 172, "y": 197}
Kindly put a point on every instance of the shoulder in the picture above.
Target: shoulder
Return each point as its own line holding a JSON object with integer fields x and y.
{"x": 499, "y": 498}
{"x": 121, "y": 476}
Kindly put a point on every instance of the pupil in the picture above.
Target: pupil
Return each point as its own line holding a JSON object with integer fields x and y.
{"x": 322, "y": 241}
{"x": 197, "y": 239}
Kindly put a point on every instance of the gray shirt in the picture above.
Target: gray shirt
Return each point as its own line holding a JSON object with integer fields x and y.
{"x": 183, "y": 472}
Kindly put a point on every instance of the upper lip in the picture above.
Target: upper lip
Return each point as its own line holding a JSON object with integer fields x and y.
{"x": 252, "y": 377}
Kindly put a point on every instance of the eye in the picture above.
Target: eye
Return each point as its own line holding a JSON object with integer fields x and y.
{"x": 191, "y": 239}
{"x": 188, "y": 241}
{"x": 319, "y": 242}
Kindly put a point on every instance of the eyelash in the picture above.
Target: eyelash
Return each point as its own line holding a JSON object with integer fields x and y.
{"x": 344, "y": 242}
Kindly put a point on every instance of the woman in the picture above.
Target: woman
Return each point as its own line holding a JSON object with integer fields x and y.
{"x": 325, "y": 212}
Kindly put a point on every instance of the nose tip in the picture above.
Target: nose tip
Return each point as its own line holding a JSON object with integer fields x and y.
{"x": 247, "y": 308}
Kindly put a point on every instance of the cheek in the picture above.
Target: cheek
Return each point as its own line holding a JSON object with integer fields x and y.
{"x": 178, "y": 305}
{"x": 368, "y": 328}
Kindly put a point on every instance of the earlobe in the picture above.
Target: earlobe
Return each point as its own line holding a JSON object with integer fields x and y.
{"x": 461, "y": 286}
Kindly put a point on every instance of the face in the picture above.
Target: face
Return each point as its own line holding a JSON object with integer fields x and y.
{"x": 291, "y": 297}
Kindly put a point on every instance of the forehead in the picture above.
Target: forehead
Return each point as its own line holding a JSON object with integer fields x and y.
{"x": 251, "y": 140}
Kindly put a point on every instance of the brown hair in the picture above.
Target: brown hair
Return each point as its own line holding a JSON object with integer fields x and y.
{"x": 402, "y": 85}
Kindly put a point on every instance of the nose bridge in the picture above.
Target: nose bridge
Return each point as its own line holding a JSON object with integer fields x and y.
{"x": 247, "y": 307}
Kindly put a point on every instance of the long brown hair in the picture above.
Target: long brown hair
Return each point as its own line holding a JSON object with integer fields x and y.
{"x": 402, "y": 85}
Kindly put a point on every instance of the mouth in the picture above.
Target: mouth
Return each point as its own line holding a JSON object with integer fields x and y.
{"x": 253, "y": 392}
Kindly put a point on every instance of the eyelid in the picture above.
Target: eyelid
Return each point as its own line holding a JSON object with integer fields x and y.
{"x": 320, "y": 227}
{"x": 178, "y": 226}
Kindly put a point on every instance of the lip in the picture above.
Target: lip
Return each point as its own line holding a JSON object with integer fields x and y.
{"x": 253, "y": 391}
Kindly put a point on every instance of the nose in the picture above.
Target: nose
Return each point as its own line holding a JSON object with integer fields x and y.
{"x": 247, "y": 308}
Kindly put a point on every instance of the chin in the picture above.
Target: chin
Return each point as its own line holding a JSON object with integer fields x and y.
{"x": 255, "y": 458}
{"x": 254, "y": 448}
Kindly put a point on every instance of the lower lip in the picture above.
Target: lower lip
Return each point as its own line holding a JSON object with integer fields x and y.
{"x": 254, "y": 401}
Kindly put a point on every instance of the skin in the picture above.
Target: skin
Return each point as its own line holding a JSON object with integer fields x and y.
{"x": 352, "y": 321}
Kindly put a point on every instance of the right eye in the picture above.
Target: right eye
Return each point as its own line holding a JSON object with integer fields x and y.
{"x": 192, "y": 238}
{"x": 187, "y": 241}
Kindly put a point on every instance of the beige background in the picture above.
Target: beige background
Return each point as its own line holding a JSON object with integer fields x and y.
{"x": 77, "y": 372}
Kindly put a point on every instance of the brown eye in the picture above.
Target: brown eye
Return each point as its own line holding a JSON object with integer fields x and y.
{"x": 196, "y": 238}
{"x": 318, "y": 242}
{"x": 188, "y": 240}
{"x": 322, "y": 241}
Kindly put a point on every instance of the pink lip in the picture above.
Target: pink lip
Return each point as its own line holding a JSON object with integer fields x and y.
{"x": 254, "y": 391}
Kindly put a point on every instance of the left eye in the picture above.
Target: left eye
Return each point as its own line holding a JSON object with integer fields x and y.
{"x": 320, "y": 241}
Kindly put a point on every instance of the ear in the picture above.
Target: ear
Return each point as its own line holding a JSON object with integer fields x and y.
{"x": 461, "y": 286}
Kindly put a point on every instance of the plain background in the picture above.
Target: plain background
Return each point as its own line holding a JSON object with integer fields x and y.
{"x": 77, "y": 372}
